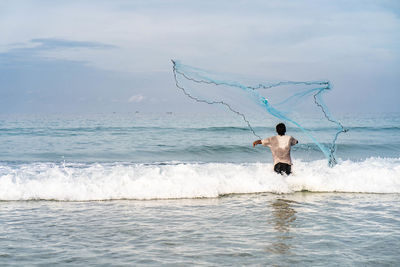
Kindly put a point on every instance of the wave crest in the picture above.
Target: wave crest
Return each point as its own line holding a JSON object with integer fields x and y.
{"x": 83, "y": 182}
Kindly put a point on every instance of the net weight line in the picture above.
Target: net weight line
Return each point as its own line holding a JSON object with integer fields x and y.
{"x": 206, "y": 101}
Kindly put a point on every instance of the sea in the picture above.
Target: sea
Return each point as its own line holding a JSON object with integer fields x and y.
{"x": 169, "y": 189}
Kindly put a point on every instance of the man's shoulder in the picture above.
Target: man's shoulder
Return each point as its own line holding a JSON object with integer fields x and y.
{"x": 273, "y": 138}
{"x": 283, "y": 137}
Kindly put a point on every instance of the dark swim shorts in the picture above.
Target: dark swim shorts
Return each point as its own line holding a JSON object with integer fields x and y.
{"x": 283, "y": 168}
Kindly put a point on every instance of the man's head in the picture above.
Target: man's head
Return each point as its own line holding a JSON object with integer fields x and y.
{"x": 281, "y": 129}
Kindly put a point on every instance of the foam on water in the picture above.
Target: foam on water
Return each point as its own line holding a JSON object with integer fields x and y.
{"x": 81, "y": 182}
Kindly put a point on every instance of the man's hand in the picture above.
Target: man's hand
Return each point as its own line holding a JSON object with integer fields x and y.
{"x": 257, "y": 142}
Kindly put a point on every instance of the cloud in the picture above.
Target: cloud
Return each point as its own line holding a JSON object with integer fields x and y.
{"x": 54, "y": 43}
{"x": 37, "y": 45}
{"x": 221, "y": 35}
{"x": 136, "y": 99}
{"x": 40, "y": 49}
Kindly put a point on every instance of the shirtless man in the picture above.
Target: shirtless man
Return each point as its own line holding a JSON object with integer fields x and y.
{"x": 280, "y": 147}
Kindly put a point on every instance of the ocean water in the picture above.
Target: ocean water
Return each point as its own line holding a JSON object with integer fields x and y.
{"x": 189, "y": 189}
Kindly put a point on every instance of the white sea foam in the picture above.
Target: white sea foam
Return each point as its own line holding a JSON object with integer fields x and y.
{"x": 77, "y": 182}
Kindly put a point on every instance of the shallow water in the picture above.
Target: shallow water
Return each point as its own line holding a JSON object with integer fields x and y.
{"x": 167, "y": 189}
{"x": 304, "y": 229}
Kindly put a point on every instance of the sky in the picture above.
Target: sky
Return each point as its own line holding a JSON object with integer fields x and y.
{"x": 115, "y": 56}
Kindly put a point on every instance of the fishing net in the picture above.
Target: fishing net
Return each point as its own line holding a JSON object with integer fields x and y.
{"x": 297, "y": 103}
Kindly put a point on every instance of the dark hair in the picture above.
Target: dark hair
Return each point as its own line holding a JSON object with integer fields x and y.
{"x": 281, "y": 129}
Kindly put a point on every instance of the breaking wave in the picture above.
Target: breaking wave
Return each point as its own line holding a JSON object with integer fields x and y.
{"x": 84, "y": 182}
